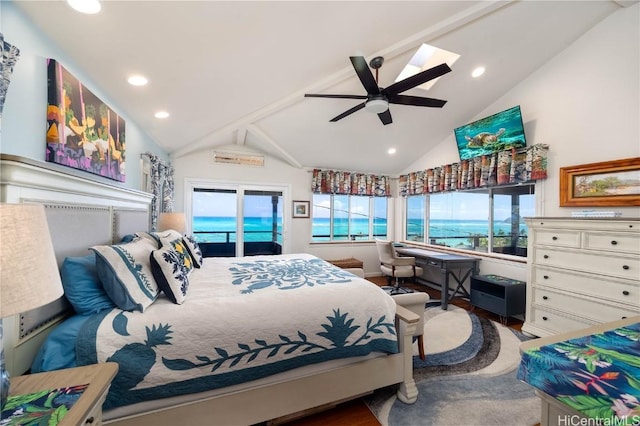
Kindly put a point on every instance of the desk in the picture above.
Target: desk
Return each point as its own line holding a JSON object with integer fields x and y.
{"x": 438, "y": 266}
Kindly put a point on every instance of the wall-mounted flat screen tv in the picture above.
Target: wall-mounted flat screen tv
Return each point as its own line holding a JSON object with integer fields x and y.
{"x": 494, "y": 133}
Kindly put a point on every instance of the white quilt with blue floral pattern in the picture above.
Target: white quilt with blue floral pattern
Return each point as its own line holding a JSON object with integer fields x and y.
{"x": 243, "y": 319}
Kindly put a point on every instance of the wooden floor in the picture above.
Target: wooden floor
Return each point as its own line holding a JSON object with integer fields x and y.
{"x": 356, "y": 413}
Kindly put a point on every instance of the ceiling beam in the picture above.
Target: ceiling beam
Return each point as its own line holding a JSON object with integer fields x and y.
{"x": 261, "y": 135}
{"x": 459, "y": 20}
{"x": 241, "y": 136}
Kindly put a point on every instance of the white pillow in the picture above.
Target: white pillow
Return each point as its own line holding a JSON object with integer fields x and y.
{"x": 171, "y": 272}
{"x": 125, "y": 273}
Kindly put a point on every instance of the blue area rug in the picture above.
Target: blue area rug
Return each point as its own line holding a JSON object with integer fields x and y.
{"x": 468, "y": 377}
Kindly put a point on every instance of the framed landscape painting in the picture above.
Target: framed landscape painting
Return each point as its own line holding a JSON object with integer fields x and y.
{"x": 301, "y": 209}
{"x": 82, "y": 131}
{"x": 610, "y": 183}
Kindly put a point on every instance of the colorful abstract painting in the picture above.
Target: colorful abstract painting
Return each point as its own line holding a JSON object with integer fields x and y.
{"x": 82, "y": 131}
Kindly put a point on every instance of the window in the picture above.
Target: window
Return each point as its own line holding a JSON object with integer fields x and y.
{"x": 415, "y": 218}
{"x": 348, "y": 218}
{"x": 488, "y": 220}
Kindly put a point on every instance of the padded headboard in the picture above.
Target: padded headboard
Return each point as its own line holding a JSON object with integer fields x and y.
{"x": 82, "y": 211}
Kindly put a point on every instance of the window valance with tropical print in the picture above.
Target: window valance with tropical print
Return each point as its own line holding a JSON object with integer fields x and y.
{"x": 350, "y": 183}
{"x": 517, "y": 165}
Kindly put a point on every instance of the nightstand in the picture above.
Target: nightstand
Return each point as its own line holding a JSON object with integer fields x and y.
{"x": 88, "y": 409}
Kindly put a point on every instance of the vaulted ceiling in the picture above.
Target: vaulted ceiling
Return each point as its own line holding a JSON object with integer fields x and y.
{"x": 235, "y": 72}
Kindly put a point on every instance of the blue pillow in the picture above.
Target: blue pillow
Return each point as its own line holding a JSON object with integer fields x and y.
{"x": 82, "y": 286}
{"x": 59, "y": 348}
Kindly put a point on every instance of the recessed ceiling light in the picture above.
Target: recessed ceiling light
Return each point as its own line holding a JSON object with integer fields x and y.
{"x": 391, "y": 151}
{"x": 477, "y": 72}
{"x": 137, "y": 80}
{"x": 161, "y": 114}
{"x": 85, "y": 6}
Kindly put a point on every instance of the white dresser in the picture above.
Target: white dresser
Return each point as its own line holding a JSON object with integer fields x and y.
{"x": 581, "y": 272}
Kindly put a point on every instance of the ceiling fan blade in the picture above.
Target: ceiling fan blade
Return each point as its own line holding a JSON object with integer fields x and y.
{"x": 313, "y": 95}
{"x": 416, "y": 101}
{"x": 385, "y": 117}
{"x": 365, "y": 75}
{"x": 348, "y": 112}
{"x": 416, "y": 80}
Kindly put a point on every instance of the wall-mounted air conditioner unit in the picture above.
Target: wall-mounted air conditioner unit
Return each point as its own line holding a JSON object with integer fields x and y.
{"x": 247, "y": 159}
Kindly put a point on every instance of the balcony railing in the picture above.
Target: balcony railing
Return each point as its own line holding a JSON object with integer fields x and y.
{"x": 224, "y": 243}
{"x": 346, "y": 237}
{"x": 474, "y": 242}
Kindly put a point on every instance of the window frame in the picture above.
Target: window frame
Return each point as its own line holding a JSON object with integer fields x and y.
{"x": 491, "y": 192}
{"x": 350, "y": 238}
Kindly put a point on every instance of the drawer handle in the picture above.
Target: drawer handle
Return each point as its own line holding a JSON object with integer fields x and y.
{"x": 625, "y": 267}
{"x": 614, "y": 242}
{"x": 544, "y": 318}
{"x": 626, "y": 293}
{"x": 90, "y": 420}
{"x": 546, "y": 256}
{"x": 554, "y": 238}
{"x": 546, "y": 277}
{"x": 545, "y": 297}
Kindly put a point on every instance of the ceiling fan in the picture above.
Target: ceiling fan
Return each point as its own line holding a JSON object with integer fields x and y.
{"x": 379, "y": 98}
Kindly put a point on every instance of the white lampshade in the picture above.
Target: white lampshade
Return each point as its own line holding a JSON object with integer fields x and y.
{"x": 29, "y": 276}
{"x": 175, "y": 221}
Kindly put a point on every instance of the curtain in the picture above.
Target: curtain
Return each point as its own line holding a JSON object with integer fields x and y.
{"x": 349, "y": 183}
{"x": 504, "y": 167}
{"x": 161, "y": 185}
{"x": 8, "y": 58}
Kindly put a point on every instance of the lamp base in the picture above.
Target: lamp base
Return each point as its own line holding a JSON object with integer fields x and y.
{"x": 4, "y": 376}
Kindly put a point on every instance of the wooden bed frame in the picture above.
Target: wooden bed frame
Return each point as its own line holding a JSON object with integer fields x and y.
{"x": 82, "y": 211}
{"x": 553, "y": 412}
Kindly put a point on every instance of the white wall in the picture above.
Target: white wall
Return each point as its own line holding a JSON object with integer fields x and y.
{"x": 584, "y": 104}
{"x": 23, "y": 130}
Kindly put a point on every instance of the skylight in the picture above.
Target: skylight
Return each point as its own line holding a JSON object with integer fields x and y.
{"x": 427, "y": 57}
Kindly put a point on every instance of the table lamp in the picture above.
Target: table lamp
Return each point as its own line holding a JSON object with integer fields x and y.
{"x": 29, "y": 276}
{"x": 175, "y": 221}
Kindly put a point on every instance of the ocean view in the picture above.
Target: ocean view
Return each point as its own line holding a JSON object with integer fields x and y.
{"x": 208, "y": 229}
{"x": 222, "y": 229}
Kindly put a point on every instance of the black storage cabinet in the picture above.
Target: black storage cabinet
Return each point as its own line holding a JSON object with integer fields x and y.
{"x": 501, "y": 295}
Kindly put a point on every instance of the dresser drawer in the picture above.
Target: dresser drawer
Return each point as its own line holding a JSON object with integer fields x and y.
{"x": 594, "y": 310}
{"x": 617, "y": 243}
{"x": 616, "y": 290}
{"x": 557, "y": 323}
{"x": 616, "y": 266}
{"x": 558, "y": 237}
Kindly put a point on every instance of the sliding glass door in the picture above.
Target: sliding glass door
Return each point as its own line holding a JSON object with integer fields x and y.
{"x": 237, "y": 220}
{"x": 262, "y": 230}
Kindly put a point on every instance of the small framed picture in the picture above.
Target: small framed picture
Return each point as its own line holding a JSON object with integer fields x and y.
{"x": 300, "y": 209}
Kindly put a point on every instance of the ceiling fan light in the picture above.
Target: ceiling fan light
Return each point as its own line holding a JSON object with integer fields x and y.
{"x": 376, "y": 106}
{"x": 88, "y": 7}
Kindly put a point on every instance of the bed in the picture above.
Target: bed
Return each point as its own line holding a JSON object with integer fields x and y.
{"x": 85, "y": 213}
{"x": 588, "y": 376}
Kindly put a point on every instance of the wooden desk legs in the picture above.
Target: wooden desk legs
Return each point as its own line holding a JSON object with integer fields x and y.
{"x": 445, "y": 298}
